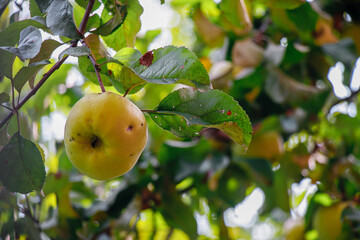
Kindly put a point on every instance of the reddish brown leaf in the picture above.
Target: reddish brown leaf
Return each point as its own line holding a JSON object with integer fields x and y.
{"x": 147, "y": 59}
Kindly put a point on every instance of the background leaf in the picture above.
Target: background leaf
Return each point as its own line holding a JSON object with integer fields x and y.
{"x": 287, "y": 4}
{"x": 177, "y": 213}
{"x": 119, "y": 13}
{"x": 21, "y": 166}
{"x": 125, "y": 35}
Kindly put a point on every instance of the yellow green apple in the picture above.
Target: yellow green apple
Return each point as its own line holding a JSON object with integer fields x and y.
{"x": 105, "y": 134}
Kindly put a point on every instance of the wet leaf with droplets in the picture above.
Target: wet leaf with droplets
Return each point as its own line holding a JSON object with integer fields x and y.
{"x": 185, "y": 112}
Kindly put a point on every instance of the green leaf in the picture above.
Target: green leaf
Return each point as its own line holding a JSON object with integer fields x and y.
{"x": 97, "y": 48}
{"x": 284, "y": 89}
{"x": 21, "y": 166}
{"x": 46, "y": 50}
{"x": 118, "y": 12}
{"x": 182, "y": 159}
{"x": 6, "y": 63}
{"x": 87, "y": 69}
{"x": 84, "y": 4}
{"x": 170, "y": 65}
{"x": 287, "y": 4}
{"x": 60, "y": 19}
{"x": 125, "y": 35}
{"x": 166, "y": 65}
{"x": 10, "y": 35}
{"x": 277, "y": 194}
{"x": 304, "y": 17}
{"x": 43, "y": 4}
{"x": 185, "y": 112}
{"x": 27, "y": 73}
{"x": 127, "y": 55}
{"x": 234, "y": 16}
{"x": 94, "y": 22}
{"x": 34, "y": 8}
{"x": 29, "y": 44}
{"x": 122, "y": 77}
{"x": 259, "y": 169}
{"x": 75, "y": 52}
{"x": 176, "y": 213}
{"x": 232, "y": 185}
{"x": 125, "y": 79}
{"x": 4, "y": 97}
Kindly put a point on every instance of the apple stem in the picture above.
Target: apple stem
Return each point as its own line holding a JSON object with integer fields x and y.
{"x": 131, "y": 88}
{"x": 149, "y": 111}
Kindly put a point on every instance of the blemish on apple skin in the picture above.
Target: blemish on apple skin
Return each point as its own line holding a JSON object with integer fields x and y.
{"x": 131, "y": 155}
{"x": 142, "y": 124}
{"x": 130, "y": 128}
{"x": 95, "y": 142}
{"x": 78, "y": 134}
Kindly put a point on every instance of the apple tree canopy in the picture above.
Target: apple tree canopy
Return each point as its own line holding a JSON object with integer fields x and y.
{"x": 251, "y": 107}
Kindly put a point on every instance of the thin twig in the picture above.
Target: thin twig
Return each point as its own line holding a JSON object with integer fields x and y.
{"x": 352, "y": 95}
{"x": 96, "y": 67}
{"x": 2, "y": 105}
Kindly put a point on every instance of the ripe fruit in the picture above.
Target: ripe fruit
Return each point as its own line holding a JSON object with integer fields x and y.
{"x": 327, "y": 221}
{"x": 105, "y": 135}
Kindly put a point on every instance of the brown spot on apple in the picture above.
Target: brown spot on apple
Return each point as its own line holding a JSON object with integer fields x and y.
{"x": 95, "y": 141}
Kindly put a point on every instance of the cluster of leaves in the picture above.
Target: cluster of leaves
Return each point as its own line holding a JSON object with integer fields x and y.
{"x": 267, "y": 61}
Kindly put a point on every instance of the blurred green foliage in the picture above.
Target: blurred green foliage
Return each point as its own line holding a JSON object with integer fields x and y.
{"x": 276, "y": 58}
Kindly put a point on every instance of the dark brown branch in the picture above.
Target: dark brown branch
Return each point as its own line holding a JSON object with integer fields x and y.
{"x": 85, "y": 19}
{"x": 82, "y": 28}
{"x": 352, "y": 95}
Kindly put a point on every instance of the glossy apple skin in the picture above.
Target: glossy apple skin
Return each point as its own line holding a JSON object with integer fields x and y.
{"x": 105, "y": 134}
